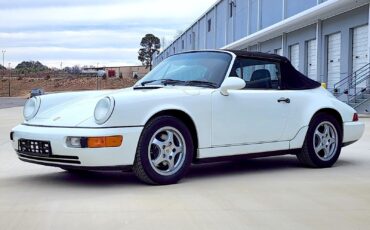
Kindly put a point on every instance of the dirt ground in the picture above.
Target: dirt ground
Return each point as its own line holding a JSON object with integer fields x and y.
{"x": 20, "y": 87}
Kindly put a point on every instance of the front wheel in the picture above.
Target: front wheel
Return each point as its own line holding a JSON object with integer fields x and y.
{"x": 165, "y": 151}
{"x": 323, "y": 142}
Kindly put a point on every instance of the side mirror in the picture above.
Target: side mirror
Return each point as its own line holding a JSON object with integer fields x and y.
{"x": 232, "y": 83}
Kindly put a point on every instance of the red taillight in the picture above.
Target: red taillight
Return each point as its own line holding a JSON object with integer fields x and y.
{"x": 355, "y": 117}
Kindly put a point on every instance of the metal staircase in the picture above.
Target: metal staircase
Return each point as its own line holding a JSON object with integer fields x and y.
{"x": 354, "y": 89}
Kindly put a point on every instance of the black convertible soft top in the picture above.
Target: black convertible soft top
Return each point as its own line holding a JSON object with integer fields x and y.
{"x": 290, "y": 77}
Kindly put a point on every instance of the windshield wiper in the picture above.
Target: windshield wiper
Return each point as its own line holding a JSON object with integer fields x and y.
{"x": 200, "y": 83}
{"x": 148, "y": 82}
{"x": 172, "y": 81}
{"x": 164, "y": 82}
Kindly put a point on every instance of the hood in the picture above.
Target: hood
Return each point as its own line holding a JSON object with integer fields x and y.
{"x": 74, "y": 109}
{"x": 67, "y": 109}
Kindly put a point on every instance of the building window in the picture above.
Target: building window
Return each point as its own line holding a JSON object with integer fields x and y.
{"x": 183, "y": 44}
{"x": 174, "y": 50}
{"x": 190, "y": 38}
{"x": 209, "y": 25}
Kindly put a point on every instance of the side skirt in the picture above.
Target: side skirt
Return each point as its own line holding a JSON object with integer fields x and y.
{"x": 247, "y": 156}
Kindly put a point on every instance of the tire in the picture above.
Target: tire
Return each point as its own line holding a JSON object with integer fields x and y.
{"x": 163, "y": 158}
{"x": 320, "y": 150}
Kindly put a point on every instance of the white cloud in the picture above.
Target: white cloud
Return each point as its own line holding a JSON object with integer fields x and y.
{"x": 53, "y": 56}
{"x": 89, "y": 31}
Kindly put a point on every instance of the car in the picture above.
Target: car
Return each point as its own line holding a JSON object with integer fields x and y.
{"x": 194, "y": 107}
{"x": 36, "y": 92}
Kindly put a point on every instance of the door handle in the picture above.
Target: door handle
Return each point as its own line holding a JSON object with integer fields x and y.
{"x": 283, "y": 99}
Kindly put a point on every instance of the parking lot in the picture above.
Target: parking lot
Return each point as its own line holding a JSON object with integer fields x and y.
{"x": 271, "y": 193}
{"x": 10, "y": 102}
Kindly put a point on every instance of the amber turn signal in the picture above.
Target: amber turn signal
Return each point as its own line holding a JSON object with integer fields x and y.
{"x": 104, "y": 142}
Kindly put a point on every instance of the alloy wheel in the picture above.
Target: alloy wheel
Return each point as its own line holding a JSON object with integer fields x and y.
{"x": 167, "y": 151}
{"x": 325, "y": 141}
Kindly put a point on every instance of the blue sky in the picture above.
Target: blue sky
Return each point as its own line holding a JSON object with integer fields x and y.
{"x": 87, "y": 32}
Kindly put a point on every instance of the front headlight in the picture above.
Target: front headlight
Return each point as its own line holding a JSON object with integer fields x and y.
{"x": 31, "y": 108}
{"x": 103, "y": 110}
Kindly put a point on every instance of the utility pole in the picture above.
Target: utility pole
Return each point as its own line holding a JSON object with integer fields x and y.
{"x": 10, "y": 77}
{"x": 3, "y": 51}
{"x": 97, "y": 77}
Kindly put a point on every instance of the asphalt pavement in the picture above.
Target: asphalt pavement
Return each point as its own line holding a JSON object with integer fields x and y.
{"x": 270, "y": 193}
{"x": 10, "y": 102}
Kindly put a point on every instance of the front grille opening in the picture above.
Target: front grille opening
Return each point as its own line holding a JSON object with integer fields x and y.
{"x": 54, "y": 159}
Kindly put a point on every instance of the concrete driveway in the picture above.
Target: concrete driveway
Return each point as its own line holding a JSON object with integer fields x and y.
{"x": 271, "y": 193}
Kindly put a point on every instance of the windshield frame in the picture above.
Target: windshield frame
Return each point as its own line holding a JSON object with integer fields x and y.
{"x": 228, "y": 71}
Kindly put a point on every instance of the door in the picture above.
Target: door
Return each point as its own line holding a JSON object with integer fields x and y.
{"x": 312, "y": 59}
{"x": 294, "y": 55}
{"x": 360, "y": 51}
{"x": 334, "y": 53}
{"x": 279, "y": 52}
{"x": 192, "y": 41}
{"x": 253, "y": 115}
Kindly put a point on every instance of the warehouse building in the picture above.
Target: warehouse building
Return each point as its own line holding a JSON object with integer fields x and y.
{"x": 328, "y": 40}
{"x": 136, "y": 72}
{"x": 126, "y": 71}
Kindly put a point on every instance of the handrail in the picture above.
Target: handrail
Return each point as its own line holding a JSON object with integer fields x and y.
{"x": 359, "y": 79}
{"x": 354, "y": 85}
{"x": 350, "y": 98}
{"x": 352, "y": 81}
{"x": 356, "y": 106}
{"x": 349, "y": 77}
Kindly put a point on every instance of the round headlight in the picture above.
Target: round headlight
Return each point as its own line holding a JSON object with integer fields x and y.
{"x": 31, "y": 108}
{"x": 103, "y": 110}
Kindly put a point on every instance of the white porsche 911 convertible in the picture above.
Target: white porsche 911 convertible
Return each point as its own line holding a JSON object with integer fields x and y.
{"x": 193, "y": 107}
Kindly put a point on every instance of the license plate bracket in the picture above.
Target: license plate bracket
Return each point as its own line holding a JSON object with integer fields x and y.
{"x": 34, "y": 148}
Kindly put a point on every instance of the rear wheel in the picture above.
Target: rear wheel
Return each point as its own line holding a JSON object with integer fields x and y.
{"x": 323, "y": 142}
{"x": 164, "y": 152}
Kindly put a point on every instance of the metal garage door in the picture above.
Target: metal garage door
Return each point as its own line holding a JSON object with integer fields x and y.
{"x": 279, "y": 52}
{"x": 312, "y": 59}
{"x": 360, "y": 50}
{"x": 334, "y": 53}
{"x": 294, "y": 55}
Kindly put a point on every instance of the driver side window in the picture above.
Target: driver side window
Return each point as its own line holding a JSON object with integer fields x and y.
{"x": 257, "y": 74}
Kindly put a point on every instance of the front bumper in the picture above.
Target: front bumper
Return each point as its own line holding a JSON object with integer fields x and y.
{"x": 67, "y": 157}
{"x": 352, "y": 132}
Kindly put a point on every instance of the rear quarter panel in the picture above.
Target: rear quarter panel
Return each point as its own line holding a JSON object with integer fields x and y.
{"x": 306, "y": 103}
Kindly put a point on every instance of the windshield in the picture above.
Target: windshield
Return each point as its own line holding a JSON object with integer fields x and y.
{"x": 197, "y": 67}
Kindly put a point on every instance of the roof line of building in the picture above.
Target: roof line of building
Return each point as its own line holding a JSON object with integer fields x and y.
{"x": 321, "y": 8}
{"x": 194, "y": 23}
{"x": 308, "y": 17}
